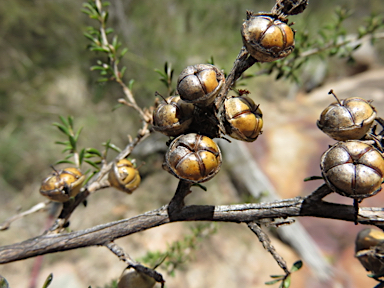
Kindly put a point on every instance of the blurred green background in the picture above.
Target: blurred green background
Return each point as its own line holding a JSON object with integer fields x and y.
{"x": 45, "y": 66}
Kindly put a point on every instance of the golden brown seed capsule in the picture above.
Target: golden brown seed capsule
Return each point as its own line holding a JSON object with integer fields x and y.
{"x": 243, "y": 117}
{"x": 348, "y": 119}
{"x": 353, "y": 169}
{"x": 370, "y": 251}
{"x": 266, "y": 38}
{"x": 193, "y": 157}
{"x": 200, "y": 84}
{"x": 61, "y": 185}
{"x": 133, "y": 279}
{"x": 173, "y": 116}
{"x": 124, "y": 176}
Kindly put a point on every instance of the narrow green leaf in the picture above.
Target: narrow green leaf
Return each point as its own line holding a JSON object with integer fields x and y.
{"x": 130, "y": 84}
{"x": 93, "y": 151}
{"x": 81, "y": 155}
{"x": 65, "y": 161}
{"x": 122, "y": 71}
{"x": 48, "y": 281}
{"x": 313, "y": 178}
{"x": 62, "y": 128}
{"x": 105, "y": 16}
{"x": 3, "y": 282}
{"x": 109, "y": 31}
{"x": 114, "y": 41}
{"x": 66, "y": 149}
{"x": 161, "y": 73}
{"x": 287, "y": 282}
{"x": 200, "y": 186}
{"x": 89, "y": 177}
{"x": 125, "y": 50}
{"x": 69, "y": 156}
{"x": 62, "y": 142}
{"x": 93, "y": 164}
{"x": 96, "y": 67}
{"x": 73, "y": 142}
{"x": 102, "y": 79}
{"x": 64, "y": 121}
{"x": 89, "y": 36}
{"x": 272, "y": 282}
{"x": 277, "y": 276}
{"x": 112, "y": 146}
{"x": 297, "y": 266}
{"x": 117, "y": 106}
{"x": 70, "y": 121}
{"x": 78, "y": 134}
{"x": 99, "y": 49}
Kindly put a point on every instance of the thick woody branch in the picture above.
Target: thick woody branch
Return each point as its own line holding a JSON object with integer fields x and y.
{"x": 101, "y": 234}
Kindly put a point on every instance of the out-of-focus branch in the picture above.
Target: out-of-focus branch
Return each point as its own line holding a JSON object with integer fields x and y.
{"x": 38, "y": 207}
{"x": 119, "y": 252}
{"x": 241, "y": 213}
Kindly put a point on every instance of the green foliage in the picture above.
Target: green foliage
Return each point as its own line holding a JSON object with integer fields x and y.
{"x": 166, "y": 78}
{"x": 285, "y": 279}
{"x": 179, "y": 252}
{"x": 3, "y": 282}
{"x": 48, "y": 281}
{"x": 108, "y": 69}
{"x": 77, "y": 156}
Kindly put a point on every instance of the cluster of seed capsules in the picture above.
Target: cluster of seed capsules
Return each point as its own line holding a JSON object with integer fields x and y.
{"x": 354, "y": 166}
{"x": 199, "y": 113}
{"x": 194, "y": 117}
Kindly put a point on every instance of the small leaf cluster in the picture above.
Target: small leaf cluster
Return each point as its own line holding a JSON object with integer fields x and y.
{"x": 285, "y": 279}
{"x": 166, "y": 77}
{"x": 179, "y": 252}
{"x": 77, "y": 156}
{"x": 99, "y": 43}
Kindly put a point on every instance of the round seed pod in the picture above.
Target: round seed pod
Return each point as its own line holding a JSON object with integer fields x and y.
{"x": 173, "y": 116}
{"x": 62, "y": 185}
{"x": 353, "y": 169}
{"x": 266, "y": 38}
{"x": 348, "y": 119}
{"x": 200, "y": 84}
{"x": 133, "y": 279}
{"x": 124, "y": 176}
{"x": 243, "y": 118}
{"x": 370, "y": 251}
{"x": 193, "y": 157}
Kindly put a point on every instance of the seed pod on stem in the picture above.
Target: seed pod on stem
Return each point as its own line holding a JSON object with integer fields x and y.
{"x": 267, "y": 38}
{"x": 353, "y": 169}
{"x": 173, "y": 116}
{"x": 200, "y": 84}
{"x": 62, "y": 185}
{"x": 193, "y": 157}
{"x": 243, "y": 118}
{"x": 124, "y": 176}
{"x": 348, "y": 119}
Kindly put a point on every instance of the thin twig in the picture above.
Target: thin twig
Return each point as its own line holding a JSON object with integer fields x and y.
{"x": 37, "y": 208}
{"x": 266, "y": 242}
{"x": 119, "y": 252}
